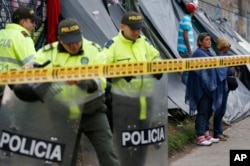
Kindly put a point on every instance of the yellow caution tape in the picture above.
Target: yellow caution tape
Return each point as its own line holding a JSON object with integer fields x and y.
{"x": 57, "y": 74}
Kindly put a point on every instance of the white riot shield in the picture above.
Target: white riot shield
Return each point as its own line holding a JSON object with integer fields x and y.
{"x": 39, "y": 133}
{"x": 140, "y": 124}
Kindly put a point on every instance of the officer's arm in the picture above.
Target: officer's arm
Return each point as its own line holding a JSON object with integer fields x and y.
{"x": 153, "y": 55}
{"x": 24, "y": 46}
{"x": 43, "y": 56}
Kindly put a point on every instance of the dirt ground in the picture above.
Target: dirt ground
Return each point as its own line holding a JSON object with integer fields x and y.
{"x": 178, "y": 154}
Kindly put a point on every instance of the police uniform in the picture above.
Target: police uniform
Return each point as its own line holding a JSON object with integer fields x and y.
{"x": 132, "y": 100}
{"x": 16, "y": 48}
{"x": 94, "y": 121}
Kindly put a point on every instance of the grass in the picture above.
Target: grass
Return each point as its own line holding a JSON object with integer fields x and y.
{"x": 180, "y": 135}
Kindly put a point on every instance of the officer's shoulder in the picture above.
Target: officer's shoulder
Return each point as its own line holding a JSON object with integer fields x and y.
{"x": 96, "y": 46}
{"x": 146, "y": 39}
{"x": 25, "y": 34}
{"x": 48, "y": 47}
{"x": 108, "y": 43}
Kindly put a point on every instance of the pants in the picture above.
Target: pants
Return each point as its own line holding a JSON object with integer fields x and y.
{"x": 184, "y": 75}
{"x": 96, "y": 127}
{"x": 204, "y": 112}
{"x": 218, "y": 115}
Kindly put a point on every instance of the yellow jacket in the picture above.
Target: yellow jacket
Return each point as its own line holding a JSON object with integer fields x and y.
{"x": 16, "y": 47}
{"x": 122, "y": 50}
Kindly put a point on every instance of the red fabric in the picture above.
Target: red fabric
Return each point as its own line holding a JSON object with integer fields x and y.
{"x": 53, "y": 12}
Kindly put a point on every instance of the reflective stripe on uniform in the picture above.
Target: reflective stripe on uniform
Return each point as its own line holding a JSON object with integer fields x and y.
{"x": 143, "y": 108}
{"x": 11, "y": 60}
{"x": 15, "y": 61}
{"x": 134, "y": 94}
{"x": 28, "y": 59}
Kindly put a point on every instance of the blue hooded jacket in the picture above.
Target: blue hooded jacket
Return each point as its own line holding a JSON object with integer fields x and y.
{"x": 200, "y": 82}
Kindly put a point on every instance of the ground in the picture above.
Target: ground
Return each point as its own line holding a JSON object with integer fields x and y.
{"x": 178, "y": 154}
{"x": 175, "y": 155}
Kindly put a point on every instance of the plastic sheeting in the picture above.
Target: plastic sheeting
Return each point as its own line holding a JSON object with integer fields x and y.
{"x": 116, "y": 11}
{"x": 94, "y": 19}
{"x": 238, "y": 106}
{"x": 161, "y": 15}
{"x": 219, "y": 29}
{"x": 176, "y": 91}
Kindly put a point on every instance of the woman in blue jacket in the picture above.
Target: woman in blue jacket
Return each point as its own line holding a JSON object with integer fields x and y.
{"x": 222, "y": 48}
{"x": 201, "y": 92}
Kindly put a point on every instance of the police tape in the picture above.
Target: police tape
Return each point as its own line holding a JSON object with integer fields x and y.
{"x": 58, "y": 74}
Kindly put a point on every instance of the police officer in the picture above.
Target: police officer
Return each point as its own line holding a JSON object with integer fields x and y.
{"x": 131, "y": 95}
{"x": 74, "y": 50}
{"x": 16, "y": 45}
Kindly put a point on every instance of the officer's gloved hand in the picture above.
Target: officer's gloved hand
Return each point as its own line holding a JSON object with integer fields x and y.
{"x": 157, "y": 76}
{"x": 32, "y": 92}
{"x": 25, "y": 93}
{"x": 128, "y": 78}
{"x": 43, "y": 90}
{"x": 89, "y": 85}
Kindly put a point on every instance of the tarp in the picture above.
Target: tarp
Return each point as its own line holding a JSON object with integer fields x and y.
{"x": 93, "y": 17}
{"x": 176, "y": 91}
{"x": 161, "y": 15}
{"x": 238, "y": 106}
{"x": 115, "y": 12}
{"x": 217, "y": 29}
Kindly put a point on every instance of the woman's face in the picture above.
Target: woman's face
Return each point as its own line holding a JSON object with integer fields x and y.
{"x": 205, "y": 43}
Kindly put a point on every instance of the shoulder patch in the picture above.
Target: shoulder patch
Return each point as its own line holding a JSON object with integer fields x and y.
{"x": 25, "y": 34}
{"x": 84, "y": 60}
{"x": 97, "y": 46}
{"x": 108, "y": 43}
{"x": 47, "y": 47}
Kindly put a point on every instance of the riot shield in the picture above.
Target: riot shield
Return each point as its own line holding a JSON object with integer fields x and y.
{"x": 39, "y": 133}
{"x": 140, "y": 123}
